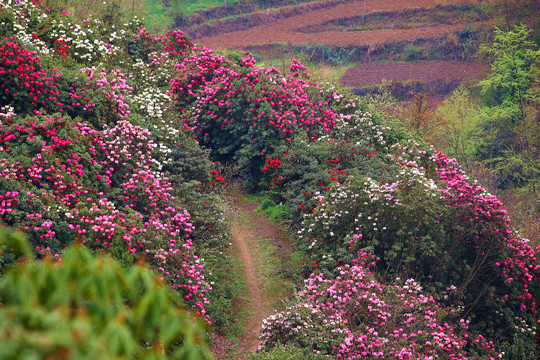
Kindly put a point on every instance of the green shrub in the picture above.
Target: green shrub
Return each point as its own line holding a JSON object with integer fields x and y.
{"x": 411, "y": 52}
{"x": 279, "y": 213}
{"x": 266, "y": 203}
{"x": 91, "y": 308}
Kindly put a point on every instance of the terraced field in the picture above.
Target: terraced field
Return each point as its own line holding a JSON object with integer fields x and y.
{"x": 335, "y": 24}
{"x": 375, "y": 73}
{"x": 286, "y": 30}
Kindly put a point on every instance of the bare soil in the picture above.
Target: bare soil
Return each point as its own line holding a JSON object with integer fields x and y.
{"x": 410, "y": 18}
{"x": 296, "y": 26}
{"x": 245, "y": 239}
{"x": 374, "y": 73}
{"x": 286, "y": 30}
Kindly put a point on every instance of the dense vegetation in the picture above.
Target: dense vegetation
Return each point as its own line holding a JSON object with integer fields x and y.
{"x": 116, "y": 138}
{"x": 90, "y": 308}
{"x": 492, "y": 127}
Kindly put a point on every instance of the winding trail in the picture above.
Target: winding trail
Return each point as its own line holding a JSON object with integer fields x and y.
{"x": 249, "y": 229}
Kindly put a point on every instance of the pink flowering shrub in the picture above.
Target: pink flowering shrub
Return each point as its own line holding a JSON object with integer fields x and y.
{"x": 101, "y": 187}
{"x": 354, "y": 316}
{"x": 142, "y": 44}
{"x": 243, "y": 112}
{"x": 120, "y": 177}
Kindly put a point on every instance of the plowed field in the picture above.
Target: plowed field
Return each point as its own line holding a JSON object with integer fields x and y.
{"x": 285, "y": 30}
{"x": 286, "y": 26}
{"x": 372, "y": 73}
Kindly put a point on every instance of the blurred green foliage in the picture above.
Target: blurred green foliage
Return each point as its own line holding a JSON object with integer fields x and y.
{"x": 83, "y": 307}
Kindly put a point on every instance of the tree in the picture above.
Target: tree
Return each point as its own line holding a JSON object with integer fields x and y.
{"x": 421, "y": 117}
{"x": 460, "y": 134}
{"x": 514, "y": 68}
{"x": 512, "y": 115}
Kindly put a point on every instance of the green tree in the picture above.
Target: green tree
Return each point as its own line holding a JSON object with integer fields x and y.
{"x": 511, "y": 117}
{"x": 460, "y": 133}
{"x": 514, "y": 68}
{"x": 90, "y": 308}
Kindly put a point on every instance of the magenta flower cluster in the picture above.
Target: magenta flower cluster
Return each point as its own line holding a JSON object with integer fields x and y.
{"x": 217, "y": 91}
{"x": 354, "y": 316}
{"x": 24, "y": 80}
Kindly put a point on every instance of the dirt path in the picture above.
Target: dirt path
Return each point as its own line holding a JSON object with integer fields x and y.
{"x": 285, "y": 30}
{"x": 248, "y": 231}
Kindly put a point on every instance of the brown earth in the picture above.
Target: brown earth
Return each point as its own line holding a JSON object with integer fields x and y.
{"x": 410, "y": 18}
{"x": 288, "y": 26}
{"x": 374, "y": 73}
{"x": 245, "y": 238}
{"x": 285, "y": 30}
{"x": 256, "y": 18}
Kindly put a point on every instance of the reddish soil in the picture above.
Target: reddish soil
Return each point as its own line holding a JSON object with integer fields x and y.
{"x": 285, "y": 30}
{"x": 374, "y": 73}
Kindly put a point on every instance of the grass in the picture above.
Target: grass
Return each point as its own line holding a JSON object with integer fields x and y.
{"x": 252, "y": 198}
{"x": 157, "y": 18}
{"x": 323, "y": 73}
{"x": 281, "y": 55}
{"x": 278, "y": 213}
{"x": 189, "y": 7}
{"x": 237, "y": 294}
{"x": 271, "y": 268}
{"x": 274, "y": 272}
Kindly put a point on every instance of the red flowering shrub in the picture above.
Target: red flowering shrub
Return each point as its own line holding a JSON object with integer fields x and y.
{"x": 299, "y": 169}
{"x": 25, "y": 83}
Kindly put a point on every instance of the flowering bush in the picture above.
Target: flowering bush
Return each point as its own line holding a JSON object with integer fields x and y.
{"x": 244, "y": 112}
{"x": 25, "y": 84}
{"x": 354, "y": 316}
{"x": 440, "y": 229}
{"x": 96, "y": 172}
{"x": 100, "y": 134}
{"x": 300, "y": 169}
{"x": 102, "y": 187}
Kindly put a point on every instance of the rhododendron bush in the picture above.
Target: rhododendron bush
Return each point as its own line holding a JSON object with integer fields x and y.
{"x": 437, "y": 227}
{"x": 354, "y": 316}
{"x": 69, "y": 181}
{"x": 300, "y": 168}
{"x": 83, "y": 158}
{"x": 244, "y": 112}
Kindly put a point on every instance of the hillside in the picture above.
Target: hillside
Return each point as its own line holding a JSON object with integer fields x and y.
{"x": 332, "y": 32}
{"x": 123, "y": 142}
